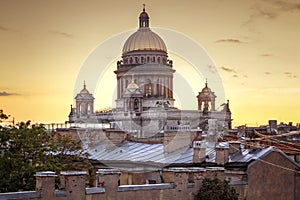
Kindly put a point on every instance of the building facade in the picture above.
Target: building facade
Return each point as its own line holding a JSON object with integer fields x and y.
{"x": 145, "y": 102}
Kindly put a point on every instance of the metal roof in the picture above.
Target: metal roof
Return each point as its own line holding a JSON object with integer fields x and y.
{"x": 154, "y": 153}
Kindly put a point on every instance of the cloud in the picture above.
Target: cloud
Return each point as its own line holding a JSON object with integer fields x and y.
{"x": 267, "y": 73}
{"x": 4, "y": 28}
{"x": 227, "y": 69}
{"x": 266, "y": 55}
{"x": 4, "y": 94}
{"x": 64, "y": 34}
{"x": 230, "y": 40}
{"x": 260, "y": 14}
{"x": 271, "y": 9}
{"x": 290, "y": 75}
{"x": 235, "y": 76}
{"x": 285, "y": 5}
{"x": 211, "y": 69}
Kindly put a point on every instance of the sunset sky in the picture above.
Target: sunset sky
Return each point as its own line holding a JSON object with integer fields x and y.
{"x": 255, "y": 45}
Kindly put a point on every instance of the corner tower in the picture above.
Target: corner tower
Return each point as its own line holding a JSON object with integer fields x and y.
{"x": 206, "y": 99}
{"x": 145, "y": 57}
{"x": 84, "y": 102}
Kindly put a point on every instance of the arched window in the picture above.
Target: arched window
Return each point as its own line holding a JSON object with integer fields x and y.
{"x": 136, "y": 105}
{"x": 153, "y": 59}
{"x": 89, "y": 108}
{"x": 79, "y": 109}
{"x": 148, "y": 88}
{"x": 158, "y": 59}
{"x": 127, "y": 105}
{"x": 82, "y": 109}
{"x": 131, "y": 60}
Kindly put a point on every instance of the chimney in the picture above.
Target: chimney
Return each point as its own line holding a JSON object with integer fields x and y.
{"x": 45, "y": 183}
{"x": 234, "y": 147}
{"x": 73, "y": 183}
{"x": 199, "y": 148}
{"x": 110, "y": 180}
{"x": 273, "y": 124}
{"x": 222, "y": 153}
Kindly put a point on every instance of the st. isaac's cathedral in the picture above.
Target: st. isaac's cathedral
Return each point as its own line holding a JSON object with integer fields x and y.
{"x": 145, "y": 101}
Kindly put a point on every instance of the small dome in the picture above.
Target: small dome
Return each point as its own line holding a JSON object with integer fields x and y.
{"x": 84, "y": 90}
{"x": 144, "y": 39}
{"x": 206, "y": 89}
{"x": 132, "y": 85}
{"x": 144, "y": 15}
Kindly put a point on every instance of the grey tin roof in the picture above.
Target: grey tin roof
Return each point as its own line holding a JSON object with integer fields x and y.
{"x": 154, "y": 153}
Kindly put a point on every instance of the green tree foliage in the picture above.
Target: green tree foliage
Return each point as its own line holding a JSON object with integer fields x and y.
{"x": 3, "y": 116}
{"x": 216, "y": 189}
{"x": 26, "y": 149}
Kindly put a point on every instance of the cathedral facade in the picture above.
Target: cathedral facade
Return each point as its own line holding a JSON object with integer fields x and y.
{"x": 145, "y": 102}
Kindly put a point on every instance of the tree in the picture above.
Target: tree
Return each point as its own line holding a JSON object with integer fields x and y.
{"x": 216, "y": 189}
{"x": 3, "y": 116}
{"x": 26, "y": 149}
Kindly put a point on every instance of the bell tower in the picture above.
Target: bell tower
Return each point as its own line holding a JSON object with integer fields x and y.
{"x": 206, "y": 99}
{"x": 84, "y": 102}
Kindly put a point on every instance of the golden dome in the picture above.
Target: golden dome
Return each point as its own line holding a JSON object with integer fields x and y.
{"x": 84, "y": 90}
{"x": 144, "y": 39}
{"x": 132, "y": 85}
{"x": 206, "y": 89}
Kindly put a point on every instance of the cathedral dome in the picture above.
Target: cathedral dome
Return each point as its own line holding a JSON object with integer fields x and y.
{"x": 144, "y": 38}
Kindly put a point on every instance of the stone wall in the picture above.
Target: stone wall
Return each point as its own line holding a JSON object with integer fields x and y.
{"x": 273, "y": 177}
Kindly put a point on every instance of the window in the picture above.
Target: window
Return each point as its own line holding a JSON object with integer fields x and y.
{"x": 148, "y": 89}
{"x": 153, "y": 59}
{"x": 136, "y": 105}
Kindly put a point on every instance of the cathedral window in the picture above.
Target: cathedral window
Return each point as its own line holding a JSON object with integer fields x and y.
{"x": 158, "y": 59}
{"x": 148, "y": 59}
{"x": 153, "y": 59}
{"x": 148, "y": 88}
{"x": 136, "y": 60}
{"x": 131, "y": 60}
{"x": 136, "y": 105}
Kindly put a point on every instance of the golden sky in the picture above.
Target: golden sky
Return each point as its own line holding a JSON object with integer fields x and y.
{"x": 254, "y": 44}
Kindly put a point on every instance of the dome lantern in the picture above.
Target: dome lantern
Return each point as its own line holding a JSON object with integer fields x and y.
{"x": 144, "y": 18}
{"x": 144, "y": 38}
